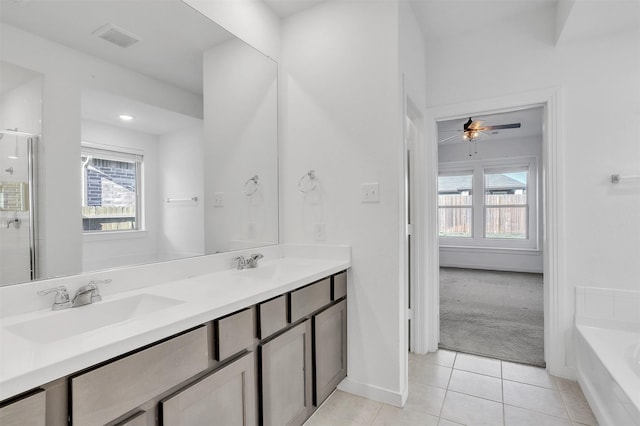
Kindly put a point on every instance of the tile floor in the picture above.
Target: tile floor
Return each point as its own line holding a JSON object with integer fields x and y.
{"x": 452, "y": 389}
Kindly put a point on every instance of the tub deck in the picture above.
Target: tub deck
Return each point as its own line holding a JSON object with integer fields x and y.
{"x": 608, "y": 373}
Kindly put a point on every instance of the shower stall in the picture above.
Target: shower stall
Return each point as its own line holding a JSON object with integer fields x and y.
{"x": 18, "y": 207}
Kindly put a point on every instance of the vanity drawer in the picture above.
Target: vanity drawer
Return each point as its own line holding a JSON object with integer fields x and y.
{"x": 234, "y": 333}
{"x": 29, "y": 410}
{"x": 272, "y": 316}
{"x": 141, "y": 418}
{"x": 309, "y": 299}
{"x": 108, "y": 392}
{"x": 339, "y": 286}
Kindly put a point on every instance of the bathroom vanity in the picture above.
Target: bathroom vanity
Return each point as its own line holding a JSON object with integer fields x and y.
{"x": 268, "y": 349}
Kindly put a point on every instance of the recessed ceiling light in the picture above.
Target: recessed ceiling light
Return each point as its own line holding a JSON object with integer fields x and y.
{"x": 125, "y": 117}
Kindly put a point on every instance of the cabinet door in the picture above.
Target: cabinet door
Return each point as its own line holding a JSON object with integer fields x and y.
{"x": 226, "y": 397}
{"x": 286, "y": 377}
{"x": 330, "y": 344}
{"x": 28, "y": 411}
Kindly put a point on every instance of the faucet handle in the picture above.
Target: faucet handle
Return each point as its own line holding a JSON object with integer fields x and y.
{"x": 257, "y": 256}
{"x": 61, "y": 300}
{"x": 240, "y": 261}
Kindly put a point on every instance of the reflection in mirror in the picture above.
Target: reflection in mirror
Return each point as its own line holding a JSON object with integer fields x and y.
{"x": 157, "y": 135}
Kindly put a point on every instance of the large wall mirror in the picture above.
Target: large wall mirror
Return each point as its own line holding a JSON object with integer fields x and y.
{"x": 132, "y": 132}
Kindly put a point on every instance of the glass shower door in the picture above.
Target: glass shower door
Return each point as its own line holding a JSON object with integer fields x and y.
{"x": 18, "y": 261}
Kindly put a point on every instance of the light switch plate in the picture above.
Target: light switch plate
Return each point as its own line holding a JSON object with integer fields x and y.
{"x": 370, "y": 192}
{"x": 218, "y": 199}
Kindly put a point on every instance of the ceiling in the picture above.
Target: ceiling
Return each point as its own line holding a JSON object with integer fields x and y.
{"x": 531, "y": 121}
{"x": 171, "y": 43}
{"x": 284, "y": 8}
{"x": 106, "y": 107}
{"x": 440, "y": 19}
{"x": 446, "y": 19}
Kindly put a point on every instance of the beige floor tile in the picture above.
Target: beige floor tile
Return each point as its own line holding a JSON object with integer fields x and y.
{"x": 425, "y": 398}
{"x": 476, "y": 385}
{"x": 394, "y": 416}
{"x": 325, "y": 418}
{"x": 345, "y": 408}
{"x": 542, "y": 400}
{"x": 440, "y": 357}
{"x": 576, "y": 403}
{"x": 514, "y": 416}
{"x": 445, "y": 422}
{"x": 471, "y": 410}
{"x": 428, "y": 374}
{"x": 528, "y": 374}
{"x": 478, "y": 364}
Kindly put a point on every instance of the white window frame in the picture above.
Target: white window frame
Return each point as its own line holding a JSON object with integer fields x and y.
{"x": 478, "y": 239}
{"x": 125, "y": 154}
{"x": 462, "y": 172}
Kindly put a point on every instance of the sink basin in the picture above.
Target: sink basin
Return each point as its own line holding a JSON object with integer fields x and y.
{"x": 275, "y": 269}
{"x": 73, "y": 321}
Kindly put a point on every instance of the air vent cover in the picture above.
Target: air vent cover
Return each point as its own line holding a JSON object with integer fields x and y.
{"x": 116, "y": 35}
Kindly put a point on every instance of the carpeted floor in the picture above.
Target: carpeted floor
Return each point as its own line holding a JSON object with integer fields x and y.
{"x": 492, "y": 313}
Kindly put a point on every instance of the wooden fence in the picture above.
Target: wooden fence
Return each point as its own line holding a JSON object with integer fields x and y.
{"x": 505, "y": 215}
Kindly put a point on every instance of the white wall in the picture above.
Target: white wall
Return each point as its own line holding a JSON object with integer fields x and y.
{"x": 66, "y": 74}
{"x": 341, "y": 115}
{"x": 182, "y": 223}
{"x": 250, "y": 20}
{"x": 507, "y": 258}
{"x": 601, "y": 97}
{"x": 102, "y": 251}
{"x": 240, "y": 127}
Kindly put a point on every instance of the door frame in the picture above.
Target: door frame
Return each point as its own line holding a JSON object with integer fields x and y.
{"x": 557, "y": 312}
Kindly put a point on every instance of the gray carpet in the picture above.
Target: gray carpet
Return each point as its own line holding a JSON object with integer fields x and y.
{"x": 492, "y": 313}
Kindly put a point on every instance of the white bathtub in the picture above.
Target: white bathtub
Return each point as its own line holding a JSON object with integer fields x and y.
{"x": 608, "y": 363}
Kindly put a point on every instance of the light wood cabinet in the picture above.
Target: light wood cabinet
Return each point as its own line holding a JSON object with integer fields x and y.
{"x": 330, "y": 350}
{"x": 26, "y": 411}
{"x": 108, "y": 392}
{"x": 309, "y": 299}
{"x": 141, "y": 418}
{"x": 225, "y": 397}
{"x": 234, "y": 333}
{"x": 272, "y": 316}
{"x": 287, "y": 377}
{"x": 339, "y": 289}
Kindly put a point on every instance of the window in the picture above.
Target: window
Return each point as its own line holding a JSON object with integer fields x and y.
{"x": 455, "y": 205}
{"x": 506, "y": 204}
{"x": 489, "y": 204}
{"x": 111, "y": 190}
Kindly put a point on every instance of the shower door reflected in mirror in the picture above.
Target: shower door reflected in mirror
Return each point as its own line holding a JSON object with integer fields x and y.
{"x": 18, "y": 252}
{"x": 204, "y": 124}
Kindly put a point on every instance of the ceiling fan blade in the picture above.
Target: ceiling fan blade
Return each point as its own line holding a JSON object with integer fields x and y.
{"x": 475, "y": 125}
{"x": 502, "y": 126}
{"x": 449, "y": 138}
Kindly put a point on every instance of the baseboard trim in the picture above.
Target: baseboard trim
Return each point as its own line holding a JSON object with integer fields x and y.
{"x": 375, "y": 393}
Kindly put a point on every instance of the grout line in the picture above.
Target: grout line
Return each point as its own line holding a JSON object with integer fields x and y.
{"x": 504, "y": 412}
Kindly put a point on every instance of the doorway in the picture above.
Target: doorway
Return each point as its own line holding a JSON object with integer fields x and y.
{"x": 427, "y": 298}
{"x": 490, "y": 242}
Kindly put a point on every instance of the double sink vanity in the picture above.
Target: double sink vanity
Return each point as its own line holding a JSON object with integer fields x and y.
{"x": 263, "y": 345}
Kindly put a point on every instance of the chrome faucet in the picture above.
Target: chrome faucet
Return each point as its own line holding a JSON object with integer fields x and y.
{"x": 241, "y": 262}
{"x": 248, "y": 263}
{"x": 252, "y": 262}
{"x": 62, "y": 297}
{"x": 88, "y": 293}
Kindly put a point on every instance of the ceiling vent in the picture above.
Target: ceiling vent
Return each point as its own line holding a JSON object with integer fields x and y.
{"x": 116, "y": 35}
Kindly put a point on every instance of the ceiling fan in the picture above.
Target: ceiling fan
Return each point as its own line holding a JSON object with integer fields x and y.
{"x": 472, "y": 129}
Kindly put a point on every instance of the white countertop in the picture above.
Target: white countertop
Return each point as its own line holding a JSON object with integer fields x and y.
{"x": 26, "y": 364}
